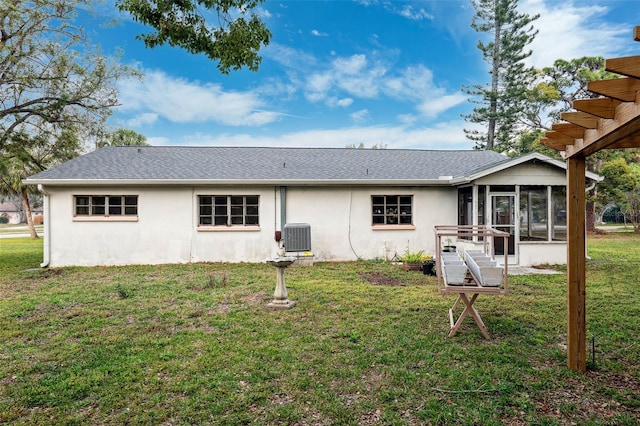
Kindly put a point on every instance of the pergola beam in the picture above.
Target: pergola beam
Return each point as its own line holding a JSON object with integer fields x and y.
{"x": 622, "y": 89}
{"x": 629, "y": 66}
{"x": 568, "y": 129}
{"x": 555, "y": 144}
{"x": 611, "y": 132}
{"x": 582, "y": 119}
{"x": 600, "y": 107}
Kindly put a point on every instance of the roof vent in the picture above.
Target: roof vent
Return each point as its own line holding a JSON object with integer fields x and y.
{"x": 297, "y": 237}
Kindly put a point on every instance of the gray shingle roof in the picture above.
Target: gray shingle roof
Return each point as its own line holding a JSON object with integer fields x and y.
{"x": 268, "y": 164}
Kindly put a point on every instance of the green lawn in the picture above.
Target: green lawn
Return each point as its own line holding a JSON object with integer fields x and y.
{"x": 366, "y": 344}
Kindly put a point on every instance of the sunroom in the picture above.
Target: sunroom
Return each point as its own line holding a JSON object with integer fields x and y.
{"x": 529, "y": 204}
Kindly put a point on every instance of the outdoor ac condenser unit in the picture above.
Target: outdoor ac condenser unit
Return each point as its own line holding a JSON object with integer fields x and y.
{"x": 297, "y": 237}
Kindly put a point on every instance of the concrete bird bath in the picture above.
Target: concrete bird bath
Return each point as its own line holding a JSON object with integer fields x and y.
{"x": 280, "y": 297}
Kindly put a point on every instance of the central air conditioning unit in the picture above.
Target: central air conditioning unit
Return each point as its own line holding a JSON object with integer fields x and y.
{"x": 297, "y": 237}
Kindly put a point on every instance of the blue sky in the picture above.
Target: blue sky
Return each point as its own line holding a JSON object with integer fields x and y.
{"x": 338, "y": 73}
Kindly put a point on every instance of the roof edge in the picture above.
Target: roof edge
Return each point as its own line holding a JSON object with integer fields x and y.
{"x": 223, "y": 182}
{"x": 524, "y": 159}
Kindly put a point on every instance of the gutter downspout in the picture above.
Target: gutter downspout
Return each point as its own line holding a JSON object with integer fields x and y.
{"x": 47, "y": 228}
{"x": 283, "y": 207}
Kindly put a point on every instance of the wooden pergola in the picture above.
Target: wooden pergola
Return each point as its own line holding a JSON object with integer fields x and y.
{"x": 610, "y": 121}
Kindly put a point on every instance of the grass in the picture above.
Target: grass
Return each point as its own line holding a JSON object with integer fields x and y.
{"x": 366, "y": 344}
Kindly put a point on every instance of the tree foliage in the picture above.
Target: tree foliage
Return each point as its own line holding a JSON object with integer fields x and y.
{"x": 51, "y": 79}
{"x": 618, "y": 182}
{"x": 631, "y": 204}
{"x": 234, "y": 41}
{"x": 56, "y": 89}
{"x": 502, "y": 101}
{"x": 123, "y": 137}
{"x": 558, "y": 86}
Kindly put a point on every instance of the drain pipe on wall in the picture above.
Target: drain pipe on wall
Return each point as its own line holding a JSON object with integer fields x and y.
{"x": 47, "y": 228}
{"x": 283, "y": 215}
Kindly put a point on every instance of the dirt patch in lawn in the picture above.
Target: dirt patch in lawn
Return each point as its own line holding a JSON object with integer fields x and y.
{"x": 376, "y": 278}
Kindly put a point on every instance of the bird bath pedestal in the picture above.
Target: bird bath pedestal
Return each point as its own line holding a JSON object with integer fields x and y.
{"x": 280, "y": 299}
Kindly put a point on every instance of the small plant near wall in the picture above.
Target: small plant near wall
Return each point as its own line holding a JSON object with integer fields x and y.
{"x": 412, "y": 261}
{"x": 449, "y": 246}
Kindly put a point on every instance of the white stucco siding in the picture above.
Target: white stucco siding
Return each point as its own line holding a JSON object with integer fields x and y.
{"x": 554, "y": 253}
{"x": 236, "y": 244}
{"x": 526, "y": 174}
{"x": 160, "y": 235}
{"x": 340, "y": 220}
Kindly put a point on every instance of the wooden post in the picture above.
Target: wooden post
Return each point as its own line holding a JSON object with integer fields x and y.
{"x": 576, "y": 264}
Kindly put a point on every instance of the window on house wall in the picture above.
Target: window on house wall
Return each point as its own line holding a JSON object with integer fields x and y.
{"x": 465, "y": 207}
{"x": 559, "y": 209}
{"x": 105, "y": 205}
{"x": 481, "y": 199}
{"x": 534, "y": 211}
{"x": 392, "y": 209}
{"x": 543, "y": 213}
{"x": 229, "y": 210}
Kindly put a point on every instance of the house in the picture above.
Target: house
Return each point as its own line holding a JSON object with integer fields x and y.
{"x": 154, "y": 205}
{"x": 10, "y": 213}
{"x": 13, "y": 213}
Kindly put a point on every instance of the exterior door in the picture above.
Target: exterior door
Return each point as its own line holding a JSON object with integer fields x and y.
{"x": 503, "y": 218}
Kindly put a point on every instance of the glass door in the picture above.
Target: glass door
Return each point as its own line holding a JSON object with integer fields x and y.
{"x": 503, "y": 215}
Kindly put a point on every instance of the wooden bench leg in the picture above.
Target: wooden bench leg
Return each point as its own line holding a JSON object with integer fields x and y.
{"x": 469, "y": 308}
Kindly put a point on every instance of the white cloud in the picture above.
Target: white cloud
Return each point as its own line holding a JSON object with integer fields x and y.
{"x": 432, "y": 107}
{"x": 318, "y": 33}
{"x": 335, "y": 102}
{"x": 182, "y": 101}
{"x": 289, "y": 57}
{"x": 415, "y": 82}
{"x": 359, "y": 78}
{"x": 442, "y": 136}
{"x": 569, "y": 30}
{"x": 360, "y": 116}
{"x": 142, "y": 119}
{"x": 159, "y": 141}
{"x": 407, "y": 119}
{"x": 415, "y": 15}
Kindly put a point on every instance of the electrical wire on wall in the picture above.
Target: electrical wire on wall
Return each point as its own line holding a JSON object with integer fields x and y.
{"x": 349, "y": 233}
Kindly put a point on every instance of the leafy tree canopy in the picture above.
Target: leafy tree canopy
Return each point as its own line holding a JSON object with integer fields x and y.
{"x": 123, "y": 137}
{"x": 234, "y": 41}
{"x": 56, "y": 89}
{"x": 52, "y": 80}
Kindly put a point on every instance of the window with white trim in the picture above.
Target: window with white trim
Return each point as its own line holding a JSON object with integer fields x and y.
{"x": 392, "y": 209}
{"x": 228, "y": 210}
{"x": 105, "y": 205}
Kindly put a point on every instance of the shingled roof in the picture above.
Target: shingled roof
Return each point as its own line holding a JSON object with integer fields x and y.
{"x": 265, "y": 165}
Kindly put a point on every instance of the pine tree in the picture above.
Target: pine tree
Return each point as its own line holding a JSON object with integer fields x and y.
{"x": 502, "y": 101}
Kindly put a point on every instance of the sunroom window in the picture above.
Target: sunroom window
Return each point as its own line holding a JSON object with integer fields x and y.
{"x": 534, "y": 211}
